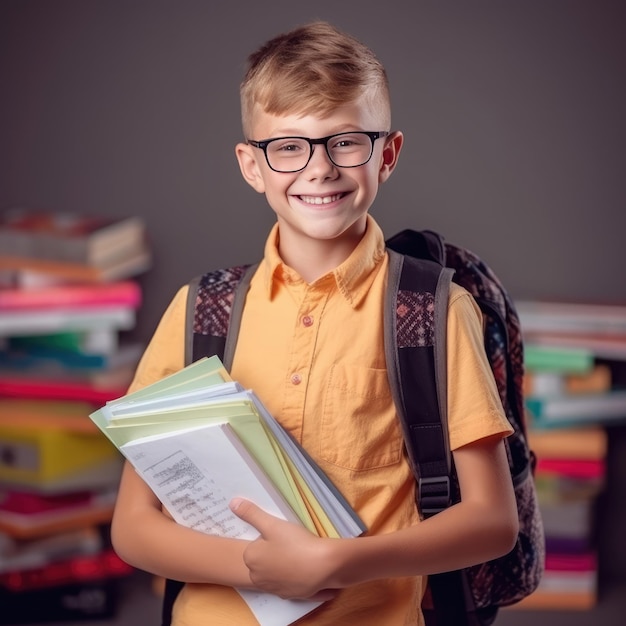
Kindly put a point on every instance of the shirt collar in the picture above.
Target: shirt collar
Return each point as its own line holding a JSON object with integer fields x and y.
{"x": 353, "y": 277}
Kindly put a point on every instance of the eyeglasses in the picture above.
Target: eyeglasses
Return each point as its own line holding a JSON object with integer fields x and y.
{"x": 292, "y": 154}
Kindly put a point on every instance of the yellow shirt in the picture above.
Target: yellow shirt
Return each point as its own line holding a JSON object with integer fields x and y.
{"x": 314, "y": 355}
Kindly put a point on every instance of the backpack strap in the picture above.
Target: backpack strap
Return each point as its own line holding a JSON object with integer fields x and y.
{"x": 215, "y": 304}
{"x": 415, "y": 331}
{"x": 415, "y": 326}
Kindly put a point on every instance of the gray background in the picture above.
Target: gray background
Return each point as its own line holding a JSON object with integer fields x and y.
{"x": 513, "y": 114}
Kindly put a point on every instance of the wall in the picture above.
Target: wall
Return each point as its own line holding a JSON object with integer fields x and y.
{"x": 513, "y": 116}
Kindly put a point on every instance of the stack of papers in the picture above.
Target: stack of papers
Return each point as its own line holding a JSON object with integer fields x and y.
{"x": 199, "y": 439}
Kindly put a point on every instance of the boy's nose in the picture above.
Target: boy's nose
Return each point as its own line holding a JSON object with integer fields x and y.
{"x": 320, "y": 163}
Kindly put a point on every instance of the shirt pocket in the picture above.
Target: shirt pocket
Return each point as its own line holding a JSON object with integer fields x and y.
{"x": 359, "y": 427}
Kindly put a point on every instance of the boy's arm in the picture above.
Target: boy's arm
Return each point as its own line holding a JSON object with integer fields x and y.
{"x": 142, "y": 534}
{"x": 147, "y": 538}
{"x": 292, "y": 563}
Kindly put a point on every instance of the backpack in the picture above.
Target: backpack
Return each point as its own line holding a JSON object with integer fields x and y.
{"x": 421, "y": 267}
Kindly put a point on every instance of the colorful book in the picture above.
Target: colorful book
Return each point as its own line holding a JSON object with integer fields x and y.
{"x": 540, "y": 358}
{"x": 80, "y": 569}
{"x": 602, "y": 346}
{"x": 571, "y": 317}
{"x": 28, "y": 554}
{"x": 583, "y": 469}
{"x": 69, "y": 237}
{"x": 104, "y": 342}
{"x": 86, "y": 389}
{"x": 577, "y": 409}
{"x": 598, "y": 380}
{"x": 45, "y": 355}
{"x": 121, "y": 293}
{"x": 31, "y": 273}
{"x": 549, "y": 597}
{"x": 588, "y": 442}
{"x": 118, "y": 317}
{"x": 95, "y": 510}
{"x": 569, "y": 545}
{"x": 38, "y": 456}
{"x": 40, "y": 415}
{"x": 554, "y": 488}
{"x": 568, "y": 519}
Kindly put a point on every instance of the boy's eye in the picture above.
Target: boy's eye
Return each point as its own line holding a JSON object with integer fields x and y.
{"x": 288, "y": 146}
{"x": 345, "y": 142}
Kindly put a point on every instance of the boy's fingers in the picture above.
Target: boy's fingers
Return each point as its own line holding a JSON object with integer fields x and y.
{"x": 250, "y": 513}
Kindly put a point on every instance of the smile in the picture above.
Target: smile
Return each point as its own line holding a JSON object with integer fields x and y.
{"x": 321, "y": 199}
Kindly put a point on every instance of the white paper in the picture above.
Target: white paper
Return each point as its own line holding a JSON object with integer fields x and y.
{"x": 180, "y": 469}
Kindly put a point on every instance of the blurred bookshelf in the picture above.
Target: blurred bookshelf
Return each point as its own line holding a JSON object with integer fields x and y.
{"x": 575, "y": 389}
{"x": 69, "y": 294}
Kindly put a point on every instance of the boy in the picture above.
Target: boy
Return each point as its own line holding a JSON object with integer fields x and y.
{"x": 316, "y": 118}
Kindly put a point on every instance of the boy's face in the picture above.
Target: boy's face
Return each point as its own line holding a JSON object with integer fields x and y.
{"x": 322, "y": 201}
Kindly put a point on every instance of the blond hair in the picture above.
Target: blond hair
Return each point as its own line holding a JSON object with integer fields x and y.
{"x": 312, "y": 70}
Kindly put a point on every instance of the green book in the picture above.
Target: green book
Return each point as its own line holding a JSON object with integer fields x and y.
{"x": 554, "y": 359}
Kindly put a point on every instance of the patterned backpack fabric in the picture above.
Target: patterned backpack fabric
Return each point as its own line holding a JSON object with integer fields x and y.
{"x": 471, "y": 596}
{"x": 421, "y": 267}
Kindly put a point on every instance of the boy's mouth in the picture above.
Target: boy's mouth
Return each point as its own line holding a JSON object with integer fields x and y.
{"x": 321, "y": 199}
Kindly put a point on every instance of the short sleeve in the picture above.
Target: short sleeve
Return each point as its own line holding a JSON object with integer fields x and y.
{"x": 165, "y": 353}
{"x": 474, "y": 407}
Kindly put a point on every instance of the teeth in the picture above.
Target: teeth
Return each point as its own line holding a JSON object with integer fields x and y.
{"x": 320, "y": 200}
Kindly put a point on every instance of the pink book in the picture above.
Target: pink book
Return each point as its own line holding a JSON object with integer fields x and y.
{"x": 575, "y": 468}
{"x": 585, "y": 562}
{"x": 125, "y": 293}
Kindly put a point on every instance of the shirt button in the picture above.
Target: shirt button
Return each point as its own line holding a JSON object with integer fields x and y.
{"x": 307, "y": 320}
{"x": 296, "y": 379}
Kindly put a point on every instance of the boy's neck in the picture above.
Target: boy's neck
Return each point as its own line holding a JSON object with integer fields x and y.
{"x": 313, "y": 258}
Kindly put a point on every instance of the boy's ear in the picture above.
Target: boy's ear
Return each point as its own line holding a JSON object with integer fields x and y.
{"x": 391, "y": 152}
{"x": 249, "y": 166}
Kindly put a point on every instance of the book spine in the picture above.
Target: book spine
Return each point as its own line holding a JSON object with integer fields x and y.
{"x": 43, "y": 414}
{"x": 34, "y": 526}
{"x": 55, "y": 321}
{"x": 11, "y": 387}
{"x": 550, "y": 358}
{"x": 42, "y": 455}
{"x": 583, "y": 443}
{"x": 581, "y": 407}
{"x": 124, "y": 293}
{"x": 561, "y": 317}
{"x": 573, "y": 468}
{"x": 80, "y": 569}
{"x": 602, "y": 346}
{"x": 586, "y": 562}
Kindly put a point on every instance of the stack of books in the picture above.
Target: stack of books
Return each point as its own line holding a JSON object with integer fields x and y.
{"x": 40, "y": 247}
{"x": 570, "y": 476}
{"x": 572, "y": 351}
{"x": 65, "y": 341}
{"x": 199, "y": 439}
{"x": 61, "y": 356}
{"x": 564, "y": 344}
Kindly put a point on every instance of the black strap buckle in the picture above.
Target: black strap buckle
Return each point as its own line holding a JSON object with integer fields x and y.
{"x": 433, "y": 494}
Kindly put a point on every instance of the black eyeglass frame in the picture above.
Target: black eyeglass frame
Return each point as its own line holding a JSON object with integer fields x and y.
{"x": 373, "y": 135}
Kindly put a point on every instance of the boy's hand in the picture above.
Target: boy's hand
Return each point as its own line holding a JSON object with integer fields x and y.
{"x": 286, "y": 560}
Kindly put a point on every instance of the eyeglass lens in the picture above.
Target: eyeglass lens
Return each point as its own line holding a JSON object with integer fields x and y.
{"x": 290, "y": 154}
